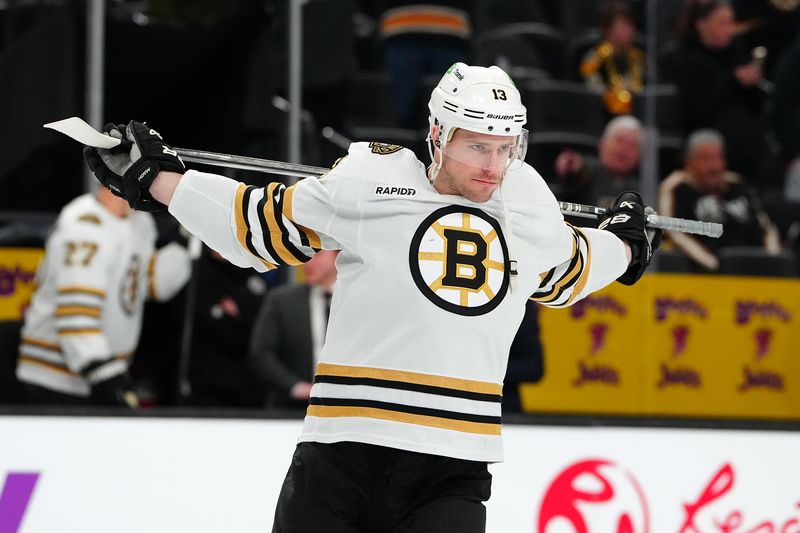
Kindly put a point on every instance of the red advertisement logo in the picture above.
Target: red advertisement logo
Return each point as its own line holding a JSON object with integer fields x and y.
{"x": 594, "y": 493}
{"x": 599, "y": 496}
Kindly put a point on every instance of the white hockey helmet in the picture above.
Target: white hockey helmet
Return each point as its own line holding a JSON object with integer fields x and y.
{"x": 478, "y": 99}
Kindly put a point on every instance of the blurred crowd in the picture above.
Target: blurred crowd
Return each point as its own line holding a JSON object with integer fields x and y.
{"x": 726, "y": 85}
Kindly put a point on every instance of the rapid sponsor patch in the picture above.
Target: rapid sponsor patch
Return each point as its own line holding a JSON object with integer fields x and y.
{"x": 387, "y": 190}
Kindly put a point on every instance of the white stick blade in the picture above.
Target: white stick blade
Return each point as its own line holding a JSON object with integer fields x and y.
{"x": 82, "y": 132}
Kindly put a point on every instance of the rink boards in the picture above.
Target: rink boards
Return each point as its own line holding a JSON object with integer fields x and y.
{"x": 209, "y": 475}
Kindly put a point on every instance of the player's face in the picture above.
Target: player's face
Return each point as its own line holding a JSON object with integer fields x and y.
{"x": 473, "y": 164}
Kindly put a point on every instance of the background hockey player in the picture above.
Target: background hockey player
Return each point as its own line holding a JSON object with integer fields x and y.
{"x": 83, "y": 325}
{"x": 404, "y": 413}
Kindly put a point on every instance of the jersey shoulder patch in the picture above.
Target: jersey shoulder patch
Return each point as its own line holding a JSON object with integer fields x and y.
{"x": 384, "y": 148}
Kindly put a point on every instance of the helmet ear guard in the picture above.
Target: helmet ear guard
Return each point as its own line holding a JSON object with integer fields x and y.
{"x": 478, "y": 99}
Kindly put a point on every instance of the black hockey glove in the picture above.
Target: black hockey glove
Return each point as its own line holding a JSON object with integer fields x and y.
{"x": 626, "y": 219}
{"x": 129, "y": 169}
{"x": 110, "y": 391}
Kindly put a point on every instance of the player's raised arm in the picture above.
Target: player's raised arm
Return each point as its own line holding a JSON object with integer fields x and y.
{"x": 620, "y": 250}
{"x": 249, "y": 226}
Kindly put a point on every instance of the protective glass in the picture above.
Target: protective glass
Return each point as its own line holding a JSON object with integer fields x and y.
{"x": 490, "y": 153}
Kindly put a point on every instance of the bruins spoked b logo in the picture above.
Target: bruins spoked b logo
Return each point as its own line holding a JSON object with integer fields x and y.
{"x": 459, "y": 260}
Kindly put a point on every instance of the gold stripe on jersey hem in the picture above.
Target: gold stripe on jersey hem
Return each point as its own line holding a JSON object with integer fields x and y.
{"x": 469, "y": 385}
{"x": 81, "y": 289}
{"x": 326, "y": 411}
{"x": 242, "y": 226}
{"x": 30, "y": 359}
{"x": 77, "y": 310}
{"x": 41, "y": 344}
{"x": 79, "y": 331}
{"x": 288, "y": 211}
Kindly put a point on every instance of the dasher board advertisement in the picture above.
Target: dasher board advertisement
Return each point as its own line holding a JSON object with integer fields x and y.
{"x": 94, "y": 475}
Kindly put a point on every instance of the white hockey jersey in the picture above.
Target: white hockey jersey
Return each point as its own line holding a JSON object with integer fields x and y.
{"x": 97, "y": 271}
{"x": 431, "y": 288}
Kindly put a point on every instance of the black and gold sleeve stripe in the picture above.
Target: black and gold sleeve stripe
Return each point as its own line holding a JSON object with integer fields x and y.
{"x": 563, "y": 283}
{"x": 81, "y": 290}
{"x": 276, "y": 235}
{"x": 244, "y": 233}
{"x": 308, "y": 237}
{"x": 265, "y": 228}
{"x": 79, "y": 310}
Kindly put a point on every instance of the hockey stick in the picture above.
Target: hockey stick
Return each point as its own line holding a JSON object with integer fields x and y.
{"x": 709, "y": 229}
{"x": 80, "y": 131}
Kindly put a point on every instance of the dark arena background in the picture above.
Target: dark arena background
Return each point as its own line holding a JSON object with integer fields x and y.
{"x": 671, "y": 406}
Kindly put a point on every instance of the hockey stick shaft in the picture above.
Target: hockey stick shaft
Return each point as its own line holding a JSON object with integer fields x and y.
{"x": 709, "y": 229}
{"x": 82, "y": 132}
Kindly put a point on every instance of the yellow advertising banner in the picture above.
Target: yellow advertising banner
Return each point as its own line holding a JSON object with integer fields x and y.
{"x": 675, "y": 345}
{"x": 593, "y": 356}
{"x": 17, "y": 272}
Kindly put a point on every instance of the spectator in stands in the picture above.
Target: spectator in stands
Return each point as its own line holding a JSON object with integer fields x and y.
{"x": 719, "y": 83}
{"x": 615, "y": 66}
{"x": 85, "y": 317}
{"x": 786, "y": 117}
{"x": 226, "y": 301}
{"x": 773, "y": 24}
{"x": 420, "y": 39}
{"x": 289, "y": 332}
{"x": 598, "y": 180}
{"x": 706, "y": 190}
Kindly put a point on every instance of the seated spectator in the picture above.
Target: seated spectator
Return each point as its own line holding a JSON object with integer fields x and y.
{"x": 85, "y": 317}
{"x": 421, "y": 38}
{"x": 706, "y": 190}
{"x": 226, "y": 301}
{"x": 719, "y": 84}
{"x": 615, "y": 66}
{"x": 289, "y": 331}
{"x": 598, "y": 180}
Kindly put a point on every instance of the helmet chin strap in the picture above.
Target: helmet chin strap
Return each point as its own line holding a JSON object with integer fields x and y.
{"x": 433, "y": 144}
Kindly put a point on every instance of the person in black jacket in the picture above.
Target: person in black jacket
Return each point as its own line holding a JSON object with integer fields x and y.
{"x": 719, "y": 83}
{"x": 227, "y": 299}
{"x": 289, "y": 331}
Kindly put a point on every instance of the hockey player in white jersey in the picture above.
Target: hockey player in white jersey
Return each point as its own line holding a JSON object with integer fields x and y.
{"x": 83, "y": 325}
{"x": 436, "y": 265}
